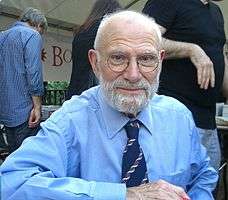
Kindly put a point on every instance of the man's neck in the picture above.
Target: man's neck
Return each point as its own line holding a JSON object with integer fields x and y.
{"x": 130, "y": 115}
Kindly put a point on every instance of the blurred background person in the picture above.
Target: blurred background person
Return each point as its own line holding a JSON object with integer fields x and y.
{"x": 82, "y": 76}
{"x": 21, "y": 80}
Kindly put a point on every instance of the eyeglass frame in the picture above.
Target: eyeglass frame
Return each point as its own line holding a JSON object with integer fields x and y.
{"x": 128, "y": 62}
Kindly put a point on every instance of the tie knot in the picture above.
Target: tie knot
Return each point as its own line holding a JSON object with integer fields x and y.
{"x": 132, "y": 129}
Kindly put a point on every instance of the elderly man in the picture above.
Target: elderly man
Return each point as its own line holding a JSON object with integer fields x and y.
{"x": 118, "y": 140}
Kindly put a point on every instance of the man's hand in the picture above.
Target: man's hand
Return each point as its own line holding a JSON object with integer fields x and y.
{"x": 35, "y": 114}
{"x": 35, "y": 117}
{"x": 160, "y": 190}
{"x": 204, "y": 66}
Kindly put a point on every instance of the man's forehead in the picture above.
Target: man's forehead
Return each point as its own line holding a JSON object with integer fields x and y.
{"x": 126, "y": 33}
{"x": 127, "y": 26}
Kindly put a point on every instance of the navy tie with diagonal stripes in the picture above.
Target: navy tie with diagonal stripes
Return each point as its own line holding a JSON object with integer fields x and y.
{"x": 133, "y": 163}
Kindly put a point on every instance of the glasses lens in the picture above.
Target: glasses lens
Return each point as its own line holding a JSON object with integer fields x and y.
{"x": 148, "y": 62}
{"x": 118, "y": 62}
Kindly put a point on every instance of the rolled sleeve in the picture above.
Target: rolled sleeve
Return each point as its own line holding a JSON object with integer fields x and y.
{"x": 33, "y": 65}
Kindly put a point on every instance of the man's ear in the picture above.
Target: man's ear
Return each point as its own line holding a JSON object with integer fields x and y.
{"x": 162, "y": 54}
{"x": 92, "y": 55}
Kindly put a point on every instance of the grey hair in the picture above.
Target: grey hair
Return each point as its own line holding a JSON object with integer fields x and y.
{"x": 126, "y": 15}
{"x": 34, "y": 17}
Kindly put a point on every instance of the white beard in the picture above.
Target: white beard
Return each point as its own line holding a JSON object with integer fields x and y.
{"x": 129, "y": 104}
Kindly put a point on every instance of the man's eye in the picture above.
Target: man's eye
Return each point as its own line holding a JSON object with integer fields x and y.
{"x": 147, "y": 59}
{"x": 118, "y": 58}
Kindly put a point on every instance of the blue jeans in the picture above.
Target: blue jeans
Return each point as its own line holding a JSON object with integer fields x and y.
{"x": 16, "y": 135}
{"x": 209, "y": 138}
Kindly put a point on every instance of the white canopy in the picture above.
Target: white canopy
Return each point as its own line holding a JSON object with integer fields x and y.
{"x": 62, "y": 13}
{"x": 66, "y": 13}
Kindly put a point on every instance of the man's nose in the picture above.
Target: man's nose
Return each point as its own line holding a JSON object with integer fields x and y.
{"x": 132, "y": 73}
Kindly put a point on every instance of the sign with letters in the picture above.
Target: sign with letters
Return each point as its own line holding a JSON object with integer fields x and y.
{"x": 56, "y": 57}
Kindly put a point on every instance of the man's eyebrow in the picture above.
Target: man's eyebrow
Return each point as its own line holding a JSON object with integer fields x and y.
{"x": 119, "y": 52}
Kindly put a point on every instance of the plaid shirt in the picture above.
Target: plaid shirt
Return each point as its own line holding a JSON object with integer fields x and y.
{"x": 21, "y": 73}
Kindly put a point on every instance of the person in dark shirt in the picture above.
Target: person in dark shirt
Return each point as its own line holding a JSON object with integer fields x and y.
{"x": 82, "y": 76}
{"x": 193, "y": 71}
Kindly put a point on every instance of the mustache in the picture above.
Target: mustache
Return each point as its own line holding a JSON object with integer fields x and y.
{"x": 143, "y": 84}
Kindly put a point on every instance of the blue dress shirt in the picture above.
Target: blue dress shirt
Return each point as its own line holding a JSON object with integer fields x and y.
{"x": 21, "y": 73}
{"x": 78, "y": 152}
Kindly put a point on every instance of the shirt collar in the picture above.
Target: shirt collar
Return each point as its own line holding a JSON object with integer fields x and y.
{"x": 145, "y": 116}
{"x": 19, "y": 23}
{"x": 114, "y": 120}
{"x": 205, "y": 2}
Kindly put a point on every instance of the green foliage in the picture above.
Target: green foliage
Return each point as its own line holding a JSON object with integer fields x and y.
{"x": 55, "y": 92}
{"x": 57, "y": 85}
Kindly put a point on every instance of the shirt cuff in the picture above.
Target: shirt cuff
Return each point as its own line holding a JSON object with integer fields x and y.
{"x": 108, "y": 191}
{"x": 37, "y": 93}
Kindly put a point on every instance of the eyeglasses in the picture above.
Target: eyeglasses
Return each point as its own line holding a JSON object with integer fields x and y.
{"x": 118, "y": 62}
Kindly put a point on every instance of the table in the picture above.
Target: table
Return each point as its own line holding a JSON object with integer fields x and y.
{"x": 47, "y": 110}
{"x": 223, "y": 128}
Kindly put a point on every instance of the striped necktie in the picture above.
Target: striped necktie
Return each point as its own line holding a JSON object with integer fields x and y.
{"x": 133, "y": 163}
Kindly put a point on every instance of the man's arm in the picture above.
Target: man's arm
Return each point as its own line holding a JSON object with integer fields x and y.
{"x": 203, "y": 64}
{"x": 225, "y": 78}
{"x": 47, "y": 166}
{"x": 35, "y": 114}
{"x": 33, "y": 66}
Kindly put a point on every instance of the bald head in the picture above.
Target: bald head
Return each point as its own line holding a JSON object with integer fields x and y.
{"x": 126, "y": 22}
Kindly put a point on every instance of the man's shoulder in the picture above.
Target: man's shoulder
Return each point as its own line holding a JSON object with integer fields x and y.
{"x": 78, "y": 108}
{"x": 216, "y": 7}
{"x": 24, "y": 30}
{"x": 79, "y": 103}
{"x": 170, "y": 104}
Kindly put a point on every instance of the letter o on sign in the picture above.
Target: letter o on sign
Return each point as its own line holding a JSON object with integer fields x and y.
{"x": 67, "y": 56}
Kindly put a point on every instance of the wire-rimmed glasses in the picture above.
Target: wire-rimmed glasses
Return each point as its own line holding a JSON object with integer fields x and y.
{"x": 147, "y": 62}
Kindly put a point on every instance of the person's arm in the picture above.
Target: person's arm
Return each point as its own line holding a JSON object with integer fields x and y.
{"x": 165, "y": 12}
{"x": 47, "y": 166}
{"x": 203, "y": 64}
{"x": 225, "y": 78}
{"x": 35, "y": 114}
{"x": 33, "y": 66}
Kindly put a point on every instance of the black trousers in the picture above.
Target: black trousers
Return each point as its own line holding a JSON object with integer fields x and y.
{"x": 16, "y": 135}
